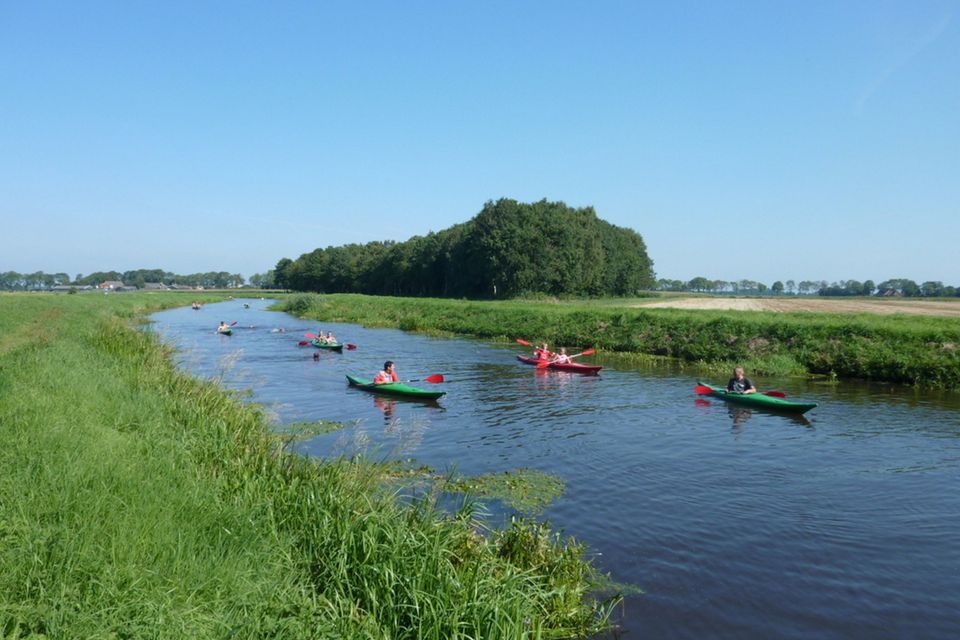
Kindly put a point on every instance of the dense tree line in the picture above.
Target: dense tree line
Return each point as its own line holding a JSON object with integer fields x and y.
{"x": 895, "y": 286}
{"x": 39, "y": 281}
{"x": 508, "y": 249}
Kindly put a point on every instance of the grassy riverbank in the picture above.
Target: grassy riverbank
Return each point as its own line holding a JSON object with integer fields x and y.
{"x": 900, "y": 348}
{"x": 137, "y": 502}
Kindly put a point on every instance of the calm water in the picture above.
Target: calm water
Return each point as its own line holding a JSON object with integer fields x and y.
{"x": 735, "y": 523}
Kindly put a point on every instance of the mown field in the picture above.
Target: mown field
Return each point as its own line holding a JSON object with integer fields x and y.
{"x": 138, "y": 502}
{"x": 911, "y": 349}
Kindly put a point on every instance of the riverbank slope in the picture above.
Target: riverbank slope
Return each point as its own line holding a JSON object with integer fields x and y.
{"x": 137, "y": 501}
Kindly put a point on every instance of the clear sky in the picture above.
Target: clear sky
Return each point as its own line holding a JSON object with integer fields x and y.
{"x": 760, "y": 140}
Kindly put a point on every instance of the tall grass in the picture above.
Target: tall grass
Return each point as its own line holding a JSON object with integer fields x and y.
{"x": 909, "y": 349}
{"x": 137, "y": 502}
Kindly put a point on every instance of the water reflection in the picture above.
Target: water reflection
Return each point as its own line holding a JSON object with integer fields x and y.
{"x": 740, "y": 415}
{"x": 388, "y": 407}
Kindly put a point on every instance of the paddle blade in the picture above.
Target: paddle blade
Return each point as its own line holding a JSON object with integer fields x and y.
{"x": 234, "y": 322}
{"x": 775, "y": 394}
{"x": 436, "y": 378}
{"x": 312, "y": 336}
{"x": 702, "y": 390}
{"x": 351, "y": 347}
{"x": 303, "y": 343}
{"x": 524, "y": 342}
{"x": 543, "y": 364}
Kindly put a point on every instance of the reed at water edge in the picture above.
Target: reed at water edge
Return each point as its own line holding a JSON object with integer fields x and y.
{"x": 918, "y": 350}
{"x": 137, "y": 501}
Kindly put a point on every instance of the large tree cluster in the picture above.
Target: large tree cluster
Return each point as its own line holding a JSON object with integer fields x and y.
{"x": 509, "y": 249}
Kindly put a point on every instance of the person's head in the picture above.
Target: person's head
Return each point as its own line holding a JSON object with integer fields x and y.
{"x": 388, "y": 365}
{"x": 738, "y": 373}
{"x": 563, "y": 351}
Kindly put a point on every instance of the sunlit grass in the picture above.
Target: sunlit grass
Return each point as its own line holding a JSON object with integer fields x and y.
{"x": 137, "y": 501}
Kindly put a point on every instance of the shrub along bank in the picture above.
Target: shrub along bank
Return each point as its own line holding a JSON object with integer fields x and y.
{"x": 137, "y": 501}
{"x": 906, "y": 349}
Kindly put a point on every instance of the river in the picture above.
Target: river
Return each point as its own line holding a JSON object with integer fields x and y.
{"x": 735, "y": 523}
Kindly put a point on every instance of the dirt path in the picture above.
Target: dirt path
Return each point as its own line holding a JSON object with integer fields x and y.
{"x": 883, "y": 306}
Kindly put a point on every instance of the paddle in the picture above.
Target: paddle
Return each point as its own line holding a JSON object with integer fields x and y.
{"x": 351, "y": 346}
{"x": 524, "y": 342}
{"x": 303, "y": 343}
{"x": 702, "y": 390}
{"x": 546, "y": 363}
{"x": 435, "y": 379}
{"x": 310, "y": 335}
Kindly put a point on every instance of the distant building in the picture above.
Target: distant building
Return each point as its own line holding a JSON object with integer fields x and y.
{"x": 155, "y": 286}
{"x": 110, "y": 285}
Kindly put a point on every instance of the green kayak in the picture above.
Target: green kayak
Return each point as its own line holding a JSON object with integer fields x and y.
{"x": 225, "y": 332}
{"x": 759, "y": 400}
{"x": 394, "y": 389}
{"x": 332, "y": 346}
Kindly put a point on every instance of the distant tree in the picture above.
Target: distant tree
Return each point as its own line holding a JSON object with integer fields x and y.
{"x": 699, "y": 284}
{"x": 282, "y": 273}
{"x": 868, "y": 288}
{"x": 777, "y": 288}
{"x": 670, "y": 285}
{"x": 791, "y": 286}
{"x": 932, "y": 288}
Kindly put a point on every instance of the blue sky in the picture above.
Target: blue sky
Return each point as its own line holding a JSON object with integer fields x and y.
{"x": 758, "y": 140}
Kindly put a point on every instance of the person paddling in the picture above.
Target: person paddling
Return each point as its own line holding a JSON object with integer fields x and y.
{"x": 223, "y": 328}
{"x": 562, "y": 357}
{"x": 388, "y": 375}
{"x": 542, "y": 352}
{"x": 330, "y": 339}
{"x": 740, "y": 383}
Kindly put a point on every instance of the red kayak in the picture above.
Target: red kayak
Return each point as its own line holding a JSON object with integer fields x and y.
{"x": 572, "y": 367}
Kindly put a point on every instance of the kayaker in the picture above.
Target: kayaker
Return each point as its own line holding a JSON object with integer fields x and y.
{"x": 388, "y": 375}
{"x": 562, "y": 357}
{"x": 542, "y": 352}
{"x": 223, "y": 327}
{"x": 739, "y": 383}
{"x": 330, "y": 339}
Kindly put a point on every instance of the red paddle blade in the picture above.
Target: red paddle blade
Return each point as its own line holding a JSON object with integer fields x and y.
{"x": 303, "y": 343}
{"x": 309, "y": 335}
{"x": 524, "y": 342}
{"x": 775, "y": 394}
{"x": 588, "y": 352}
{"x": 351, "y": 346}
{"x": 702, "y": 390}
{"x": 434, "y": 378}
{"x": 543, "y": 364}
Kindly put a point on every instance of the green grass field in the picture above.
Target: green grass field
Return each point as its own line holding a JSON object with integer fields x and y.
{"x": 138, "y": 502}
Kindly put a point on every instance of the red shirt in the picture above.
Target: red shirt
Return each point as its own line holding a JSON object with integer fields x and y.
{"x": 383, "y": 377}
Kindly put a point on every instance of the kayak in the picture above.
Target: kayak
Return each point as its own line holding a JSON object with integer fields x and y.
{"x": 394, "y": 389}
{"x": 760, "y": 400}
{"x": 573, "y": 367}
{"x": 332, "y": 346}
{"x": 226, "y": 332}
